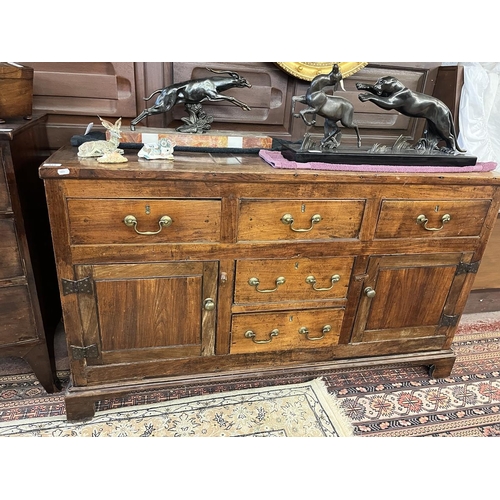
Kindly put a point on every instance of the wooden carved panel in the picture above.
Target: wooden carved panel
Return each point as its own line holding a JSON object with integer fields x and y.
{"x": 75, "y": 88}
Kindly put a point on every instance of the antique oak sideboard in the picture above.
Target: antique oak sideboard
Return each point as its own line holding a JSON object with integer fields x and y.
{"x": 219, "y": 266}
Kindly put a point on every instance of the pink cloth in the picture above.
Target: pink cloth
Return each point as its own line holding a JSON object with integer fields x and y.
{"x": 276, "y": 160}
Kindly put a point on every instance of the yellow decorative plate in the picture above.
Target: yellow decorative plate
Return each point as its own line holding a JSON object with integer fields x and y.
{"x": 308, "y": 70}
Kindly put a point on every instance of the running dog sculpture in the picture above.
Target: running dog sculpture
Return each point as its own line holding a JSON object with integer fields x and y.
{"x": 191, "y": 93}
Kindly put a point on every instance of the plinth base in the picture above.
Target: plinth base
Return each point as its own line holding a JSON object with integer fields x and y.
{"x": 360, "y": 156}
{"x": 218, "y": 139}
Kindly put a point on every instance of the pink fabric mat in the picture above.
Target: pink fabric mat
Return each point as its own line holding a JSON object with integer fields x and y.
{"x": 276, "y": 160}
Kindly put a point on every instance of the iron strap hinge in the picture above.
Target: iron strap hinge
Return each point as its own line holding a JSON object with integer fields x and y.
{"x": 464, "y": 268}
{"x": 447, "y": 320}
{"x": 88, "y": 352}
{"x": 79, "y": 286}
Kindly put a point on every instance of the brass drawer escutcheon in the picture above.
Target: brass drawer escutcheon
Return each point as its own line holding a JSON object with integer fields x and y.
{"x": 255, "y": 283}
{"x": 288, "y": 220}
{"x": 249, "y": 334}
{"x": 305, "y": 331}
{"x": 422, "y": 219}
{"x": 131, "y": 221}
{"x": 311, "y": 280}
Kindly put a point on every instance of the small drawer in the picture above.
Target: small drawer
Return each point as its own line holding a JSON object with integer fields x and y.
{"x": 17, "y": 323}
{"x": 272, "y": 220}
{"x": 276, "y": 280}
{"x": 10, "y": 260}
{"x": 121, "y": 221}
{"x": 264, "y": 332}
{"x": 424, "y": 218}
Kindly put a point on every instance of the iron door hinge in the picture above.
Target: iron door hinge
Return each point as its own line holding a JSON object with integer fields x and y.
{"x": 78, "y": 286}
{"x": 447, "y": 320}
{"x": 464, "y": 268}
{"x": 88, "y": 352}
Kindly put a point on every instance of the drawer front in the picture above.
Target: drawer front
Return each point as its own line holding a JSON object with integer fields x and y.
{"x": 5, "y": 205}
{"x": 264, "y": 332}
{"x": 271, "y": 220}
{"x": 17, "y": 323}
{"x": 98, "y": 221}
{"x": 292, "y": 280}
{"x": 10, "y": 261}
{"x": 423, "y": 219}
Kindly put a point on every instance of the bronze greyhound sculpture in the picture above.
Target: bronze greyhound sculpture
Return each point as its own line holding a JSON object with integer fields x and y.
{"x": 194, "y": 92}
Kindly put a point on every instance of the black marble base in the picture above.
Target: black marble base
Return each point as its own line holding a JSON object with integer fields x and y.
{"x": 360, "y": 156}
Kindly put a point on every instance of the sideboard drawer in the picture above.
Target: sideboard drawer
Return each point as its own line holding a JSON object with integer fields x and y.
{"x": 272, "y": 220}
{"x": 424, "y": 218}
{"x": 262, "y": 332}
{"x": 10, "y": 260}
{"x": 121, "y": 221}
{"x": 277, "y": 280}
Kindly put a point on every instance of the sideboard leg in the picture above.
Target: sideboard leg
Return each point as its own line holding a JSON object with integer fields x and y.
{"x": 78, "y": 409}
{"x": 441, "y": 368}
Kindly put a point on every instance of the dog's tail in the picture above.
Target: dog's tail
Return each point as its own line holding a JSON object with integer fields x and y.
{"x": 154, "y": 93}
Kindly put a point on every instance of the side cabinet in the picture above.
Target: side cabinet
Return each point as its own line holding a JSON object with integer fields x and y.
{"x": 29, "y": 301}
{"x": 218, "y": 267}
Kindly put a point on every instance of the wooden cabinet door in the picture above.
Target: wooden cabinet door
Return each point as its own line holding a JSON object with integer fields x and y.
{"x": 146, "y": 312}
{"x": 409, "y": 297}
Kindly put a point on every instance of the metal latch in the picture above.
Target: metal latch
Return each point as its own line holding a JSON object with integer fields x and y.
{"x": 79, "y": 286}
{"x": 88, "y": 352}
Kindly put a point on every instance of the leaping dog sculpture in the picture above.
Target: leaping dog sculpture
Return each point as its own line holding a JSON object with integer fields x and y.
{"x": 192, "y": 93}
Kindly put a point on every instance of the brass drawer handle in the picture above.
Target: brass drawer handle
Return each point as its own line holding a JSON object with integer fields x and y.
{"x": 422, "y": 219}
{"x": 131, "y": 221}
{"x": 305, "y": 331}
{"x": 255, "y": 282}
{"x": 311, "y": 280}
{"x": 251, "y": 335}
{"x": 287, "y": 219}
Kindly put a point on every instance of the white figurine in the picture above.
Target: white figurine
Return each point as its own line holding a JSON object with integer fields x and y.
{"x": 161, "y": 150}
{"x": 92, "y": 149}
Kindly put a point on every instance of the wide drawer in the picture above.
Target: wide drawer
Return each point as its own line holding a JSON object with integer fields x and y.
{"x": 277, "y": 280}
{"x": 10, "y": 261}
{"x": 271, "y": 220}
{"x": 263, "y": 332}
{"x": 425, "y": 218}
{"x": 16, "y": 318}
{"x": 122, "y": 221}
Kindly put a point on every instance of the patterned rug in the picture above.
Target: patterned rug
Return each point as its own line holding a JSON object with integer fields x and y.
{"x": 406, "y": 402}
{"x": 296, "y": 410}
{"x": 386, "y": 401}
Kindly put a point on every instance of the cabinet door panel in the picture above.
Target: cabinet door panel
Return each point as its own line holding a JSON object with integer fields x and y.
{"x": 5, "y": 205}
{"x": 411, "y": 294}
{"x": 140, "y": 312}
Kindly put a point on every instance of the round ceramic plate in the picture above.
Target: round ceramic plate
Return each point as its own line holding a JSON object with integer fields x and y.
{"x": 308, "y": 70}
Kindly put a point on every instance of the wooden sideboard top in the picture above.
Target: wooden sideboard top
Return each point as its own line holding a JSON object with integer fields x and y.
{"x": 224, "y": 167}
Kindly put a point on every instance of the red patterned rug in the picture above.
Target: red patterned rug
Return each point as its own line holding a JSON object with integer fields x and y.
{"x": 390, "y": 401}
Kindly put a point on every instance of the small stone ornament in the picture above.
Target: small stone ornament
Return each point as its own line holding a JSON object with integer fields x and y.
{"x": 113, "y": 157}
{"x": 161, "y": 150}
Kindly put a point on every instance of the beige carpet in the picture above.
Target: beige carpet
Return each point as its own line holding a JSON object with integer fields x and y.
{"x": 295, "y": 410}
